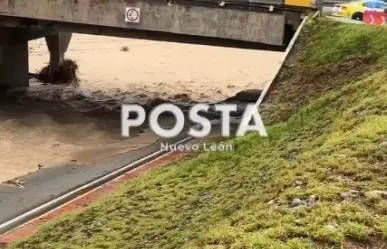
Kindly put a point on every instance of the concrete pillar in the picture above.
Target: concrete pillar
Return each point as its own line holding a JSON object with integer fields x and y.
{"x": 320, "y": 6}
{"x": 13, "y": 57}
{"x": 293, "y": 19}
{"x": 57, "y": 45}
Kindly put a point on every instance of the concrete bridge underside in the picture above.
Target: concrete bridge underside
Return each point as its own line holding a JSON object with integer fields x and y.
{"x": 23, "y": 20}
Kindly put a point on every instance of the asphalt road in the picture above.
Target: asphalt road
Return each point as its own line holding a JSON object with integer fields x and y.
{"x": 327, "y": 10}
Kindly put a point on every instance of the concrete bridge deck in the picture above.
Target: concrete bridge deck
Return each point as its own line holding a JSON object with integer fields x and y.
{"x": 267, "y": 22}
{"x": 258, "y": 25}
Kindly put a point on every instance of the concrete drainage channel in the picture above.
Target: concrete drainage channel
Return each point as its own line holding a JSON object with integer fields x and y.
{"x": 14, "y": 213}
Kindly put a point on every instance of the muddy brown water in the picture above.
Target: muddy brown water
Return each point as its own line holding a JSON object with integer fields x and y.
{"x": 51, "y": 125}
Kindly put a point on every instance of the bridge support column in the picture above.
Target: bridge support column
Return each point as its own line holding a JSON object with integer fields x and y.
{"x": 293, "y": 19}
{"x": 57, "y": 45}
{"x": 13, "y": 57}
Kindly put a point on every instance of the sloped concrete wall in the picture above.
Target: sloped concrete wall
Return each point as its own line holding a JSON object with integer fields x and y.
{"x": 156, "y": 16}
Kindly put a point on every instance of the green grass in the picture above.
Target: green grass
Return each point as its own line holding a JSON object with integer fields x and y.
{"x": 332, "y": 139}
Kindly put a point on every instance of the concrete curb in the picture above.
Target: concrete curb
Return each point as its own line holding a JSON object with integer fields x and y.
{"x": 58, "y": 201}
{"x": 269, "y": 85}
{"x": 318, "y": 13}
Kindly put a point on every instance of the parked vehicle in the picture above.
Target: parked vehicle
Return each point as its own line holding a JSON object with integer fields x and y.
{"x": 355, "y": 10}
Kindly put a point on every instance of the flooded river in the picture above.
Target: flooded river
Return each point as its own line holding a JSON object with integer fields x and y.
{"x": 54, "y": 125}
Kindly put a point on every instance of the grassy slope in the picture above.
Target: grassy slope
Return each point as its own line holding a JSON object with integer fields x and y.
{"x": 329, "y": 133}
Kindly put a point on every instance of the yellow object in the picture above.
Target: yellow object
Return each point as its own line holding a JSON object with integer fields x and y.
{"x": 355, "y": 10}
{"x": 301, "y": 3}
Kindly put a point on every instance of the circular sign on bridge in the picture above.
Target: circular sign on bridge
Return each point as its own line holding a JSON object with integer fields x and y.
{"x": 132, "y": 15}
